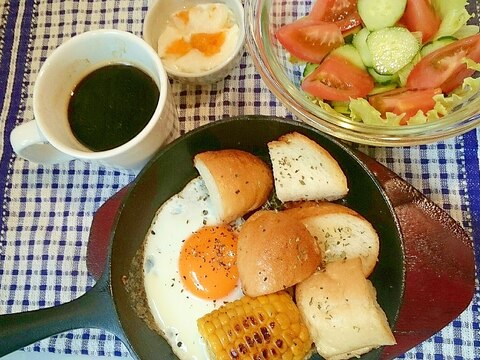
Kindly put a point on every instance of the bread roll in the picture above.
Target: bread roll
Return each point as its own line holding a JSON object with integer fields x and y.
{"x": 237, "y": 181}
{"x": 303, "y": 170}
{"x": 341, "y": 232}
{"x": 340, "y": 309}
{"x": 305, "y": 209}
{"x": 275, "y": 251}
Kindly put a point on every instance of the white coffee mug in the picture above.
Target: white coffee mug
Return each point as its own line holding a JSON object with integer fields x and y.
{"x": 48, "y": 138}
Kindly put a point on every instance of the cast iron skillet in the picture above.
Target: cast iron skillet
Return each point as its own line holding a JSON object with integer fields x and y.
{"x": 157, "y": 184}
{"x": 108, "y": 305}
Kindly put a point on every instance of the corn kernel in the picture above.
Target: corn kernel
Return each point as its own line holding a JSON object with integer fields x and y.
{"x": 297, "y": 347}
{"x": 296, "y": 328}
{"x": 215, "y": 344}
{"x": 283, "y": 320}
{"x": 304, "y": 335}
{"x": 223, "y": 356}
{"x": 269, "y": 309}
{"x": 209, "y": 327}
{"x": 216, "y": 322}
{"x": 288, "y": 338}
{"x": 224, "y": 319}
{"x": 222, "y": 337}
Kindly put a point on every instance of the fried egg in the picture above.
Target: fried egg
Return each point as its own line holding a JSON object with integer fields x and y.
{"x": 190, "y": 267}
{"x": 199, "y": 38}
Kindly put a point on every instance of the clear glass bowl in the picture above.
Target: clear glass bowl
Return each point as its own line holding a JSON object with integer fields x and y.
{"x": 264, "y": 17}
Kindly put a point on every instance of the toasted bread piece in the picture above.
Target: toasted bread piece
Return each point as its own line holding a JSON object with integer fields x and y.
{"x": 341, "y": 312}
{"x": 275, "y": 251}
{"x": 341, "y": 232}
{"x": 303, "y": 170}
{"x": 237, "y": 181}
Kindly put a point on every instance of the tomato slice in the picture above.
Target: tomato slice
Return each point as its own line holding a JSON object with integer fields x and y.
{"x": 333, "y": 10}
{"x": 404, "y": 100}
{"x": 444, "y": 67}
{"x": 341, "y": 12}
{"x": 309, "y": 39}
{"x": 350, "y": 22}
{"x": 420, "y": 15}
{"x": 338, "y": 79}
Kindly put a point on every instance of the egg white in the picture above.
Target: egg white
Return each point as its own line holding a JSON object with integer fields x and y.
{"x": 168, "y": 36}
{"x": 174, "y": 309}
{"x": 208, "y": 18}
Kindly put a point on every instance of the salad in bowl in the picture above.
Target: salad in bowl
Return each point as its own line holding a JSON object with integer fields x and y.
{"x": 354, "y": 66}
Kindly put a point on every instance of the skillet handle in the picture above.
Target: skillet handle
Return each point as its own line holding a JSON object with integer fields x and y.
{"x": 94, "y": 309}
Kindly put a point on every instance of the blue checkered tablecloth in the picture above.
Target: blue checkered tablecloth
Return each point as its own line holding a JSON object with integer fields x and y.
{"x": 46, "y": 212}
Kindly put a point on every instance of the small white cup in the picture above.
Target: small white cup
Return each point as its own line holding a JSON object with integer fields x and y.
{"x": 156, "y": 20}
{"x": 49, "y": 140}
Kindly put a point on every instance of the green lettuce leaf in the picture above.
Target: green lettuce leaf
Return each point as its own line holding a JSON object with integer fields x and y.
{"x": 362, "y": 111}
{"x": 466, "y": 31}
{"x": 323, "y": 105}
{"x": 454, "y": 16}
{"x": 445, "y": 104}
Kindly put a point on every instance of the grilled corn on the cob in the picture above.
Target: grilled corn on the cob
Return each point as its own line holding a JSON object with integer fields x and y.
{"x": 265, "y": 327}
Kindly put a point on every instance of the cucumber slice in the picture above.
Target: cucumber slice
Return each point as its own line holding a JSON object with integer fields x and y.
{"x": 309, "y": 68}
{"x": 392, "y": 48}
{"x": 382, "y": 88}
{"x": 379, "y": 14}
{"x": 350, "y": 53}
{"x": 360, "y": 43}
{"x": 383, "y": 79}
{"x": 436, "y": 44}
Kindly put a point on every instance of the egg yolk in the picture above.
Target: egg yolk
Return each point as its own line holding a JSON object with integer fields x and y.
{"x": 208, "y": 262}
{"x": 183, "y": 15}
{"x": 178, "y": 47}
{"x": 208, "y": 43}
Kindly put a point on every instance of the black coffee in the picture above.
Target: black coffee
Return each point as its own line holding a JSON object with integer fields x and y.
{"x": 111, "y": 105}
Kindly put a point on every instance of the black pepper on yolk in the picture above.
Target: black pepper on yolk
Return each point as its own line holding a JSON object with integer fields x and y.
{"x": 208, "y": 262}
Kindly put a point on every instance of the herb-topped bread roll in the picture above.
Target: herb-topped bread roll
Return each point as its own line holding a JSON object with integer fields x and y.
{"x": 341, "y": 233}
{"x": 237, "y": 181}
{"x": 303, "y": 170}
{"x": 341, "y": 312}
{"x": 275, "y": 251}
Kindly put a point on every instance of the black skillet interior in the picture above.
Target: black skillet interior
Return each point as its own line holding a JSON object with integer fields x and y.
{"x": 172, "y": 168}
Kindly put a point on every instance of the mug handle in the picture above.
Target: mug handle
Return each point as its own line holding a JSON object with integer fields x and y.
{"x": 29, "y": 143}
